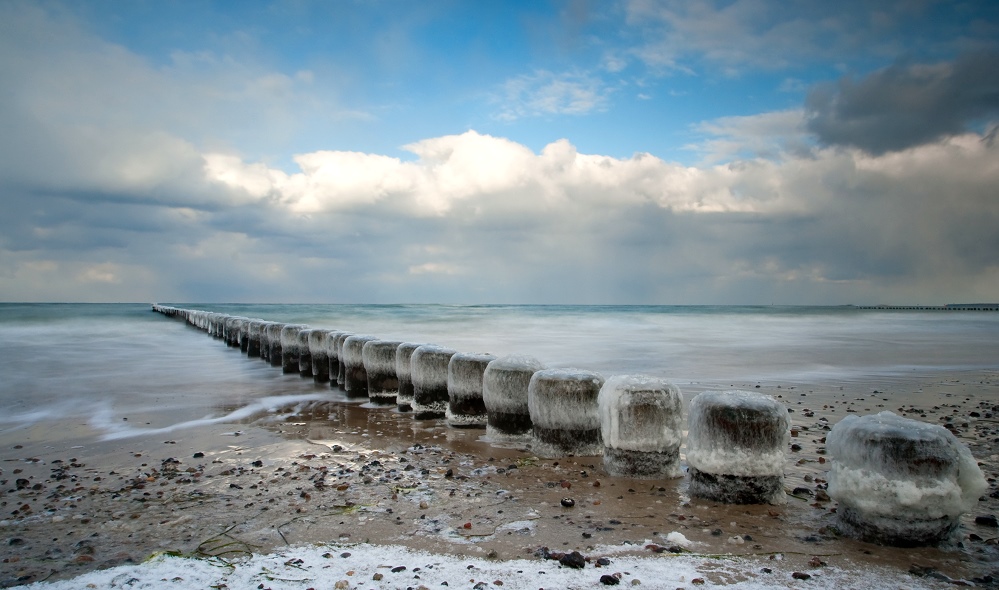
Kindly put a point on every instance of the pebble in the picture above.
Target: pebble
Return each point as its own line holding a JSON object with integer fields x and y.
{"x": 609, "y": 580}
{"x": 987, "y": 520}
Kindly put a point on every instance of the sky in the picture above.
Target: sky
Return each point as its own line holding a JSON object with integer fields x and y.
{"x": 564, "y": 152}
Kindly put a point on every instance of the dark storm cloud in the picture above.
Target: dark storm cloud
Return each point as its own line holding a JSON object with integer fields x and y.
{"x": 906, "y": 104}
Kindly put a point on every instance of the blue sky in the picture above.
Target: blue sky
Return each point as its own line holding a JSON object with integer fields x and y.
{"x": 637, "y": 151}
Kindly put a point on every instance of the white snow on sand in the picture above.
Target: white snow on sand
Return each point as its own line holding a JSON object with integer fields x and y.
{"x": 356, "y": 566}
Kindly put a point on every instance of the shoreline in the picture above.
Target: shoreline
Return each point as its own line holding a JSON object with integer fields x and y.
{"x": 342, "y": 472}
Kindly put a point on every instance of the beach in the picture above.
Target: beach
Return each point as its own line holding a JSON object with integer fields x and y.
{"x": 319, "y": 477}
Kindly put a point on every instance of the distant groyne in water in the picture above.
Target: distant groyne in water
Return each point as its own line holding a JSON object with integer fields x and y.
{"x": 737, "y": 441}
{"x": 948, "y": 307}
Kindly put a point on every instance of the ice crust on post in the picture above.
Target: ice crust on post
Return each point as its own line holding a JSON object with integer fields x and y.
{"x": 641, "y": 423}
{"x": 304, "y": 353}
{"x": 290, "y": 347}
{"x": 319, "y": 349}
{"x": 403, "y": 372}
{"x": 274, "y": 339}
{"x": 900, "y": 481}
{"x": 379, "y": 364}
{"x": 355, "y": 379}
{"x": 565, "y": 419}
{"x": 465, "y": 407}
{"x": 504, "y": 393}
{"x": 341, "y": 370}
{"x": 253, "y": 338}
{"x": 428, "y": 367}
{"x": 736, "y": 442}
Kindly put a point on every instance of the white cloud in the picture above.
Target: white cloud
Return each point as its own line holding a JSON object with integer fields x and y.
{"x": 545, "y": 93}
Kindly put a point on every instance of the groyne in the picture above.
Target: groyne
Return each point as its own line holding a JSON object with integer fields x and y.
{"x": 737, "y": 444}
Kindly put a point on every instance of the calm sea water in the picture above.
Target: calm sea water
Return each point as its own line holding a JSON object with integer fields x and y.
{"x": 119, "y": 370}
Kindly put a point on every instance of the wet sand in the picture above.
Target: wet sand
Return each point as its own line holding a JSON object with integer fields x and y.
{"x": 345, "y": 472}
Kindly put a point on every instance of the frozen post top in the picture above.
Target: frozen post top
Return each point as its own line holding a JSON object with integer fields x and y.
{"x": 641, "y": 422}
{"x": 899, "y": 481}
{"x": 464, "y": 387}
{"x": 564, "y": 415}
{"x": 504, "y": 393}
{"x": 736, "y": 443}
{"x": 341, "y": 371}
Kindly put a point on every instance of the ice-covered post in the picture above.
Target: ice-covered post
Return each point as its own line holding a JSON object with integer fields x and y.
{"x": 504, "y": 393}
{"x": 319, "y": 349}
{"x": 564, "y": 413}
{"x": 274, "y": 340}
{"x": 355, "y": 380}
{"x": 736, "y": 442}
{"x": 465, "y": 407}
{"x": 341, "y": 369}
{"x": 290, "y": 347}
{"x": 428, "y": 367}
{"x": 379, "y": 363}
{"x": 641, "y": 422}
{"x": 403, "y": 371}
{"x": 244, "y": 335}
{"x": 304, "y": 353}
{"x": 899, "y": 481}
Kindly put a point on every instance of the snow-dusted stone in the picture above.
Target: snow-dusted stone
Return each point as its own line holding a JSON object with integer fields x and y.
{"x": 403, "y": 370}
{"x": 465, "y": 407}
{"x": 304, "y": 353}
{"x": 274, "y": 339}
{"x": 736, "y": 444}
{"x": 504, "y": 392}
{"x": 319, "y": 349}
{"x": 564, "y": 414}
{"x": 290, "y": 347}
{"x": 355, "y": 379}
{"x": 899, "y": 481}
{"x": 379, "y": 364}
{"x": 641, "y": 423}
{"x": 428, "y": 368}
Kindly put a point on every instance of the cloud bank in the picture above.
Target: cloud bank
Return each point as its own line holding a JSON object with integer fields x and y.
{"x": 125, "y": 179}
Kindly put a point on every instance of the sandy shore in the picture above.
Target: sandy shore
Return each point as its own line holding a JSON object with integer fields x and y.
{"x": 341, "y": 473}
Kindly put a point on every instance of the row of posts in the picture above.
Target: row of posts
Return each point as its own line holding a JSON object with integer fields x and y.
{"x": 735, "y": 445}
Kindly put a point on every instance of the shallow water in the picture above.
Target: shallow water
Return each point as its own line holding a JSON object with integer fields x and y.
{"x": 121, "y": 369}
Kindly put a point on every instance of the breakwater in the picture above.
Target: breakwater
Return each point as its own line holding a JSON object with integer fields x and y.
{"x": 738, "y": 440}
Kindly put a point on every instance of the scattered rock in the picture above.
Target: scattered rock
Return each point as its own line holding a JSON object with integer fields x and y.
{"x": 609, "y": 580}
{"x": 575, "y": 560}
{"x": 988, "y": 520}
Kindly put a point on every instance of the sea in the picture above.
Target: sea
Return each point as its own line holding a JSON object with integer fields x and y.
{"x": 122, "y": 370}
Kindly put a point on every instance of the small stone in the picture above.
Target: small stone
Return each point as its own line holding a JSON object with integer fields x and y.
{"x": 575, "y": 560}
{"x": 603, "y": 561}
{"x": 609, "y": 580}
{"x": 636, "y": 582}
{"x": 198, "y": 455}
{"x": 424, "y": 505}
{"x": 398, "y": 568}
{"x": 800, "y": 576}
{"x": 342, "y": 585}
{"x": 568, "y": 502}
{"x": 377, "y": 577}
{"x": 987, "y": 520}
{"x": 697, "y": 581}
{"x": 816, "y": 562}
{"x": 345, "y": 554}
